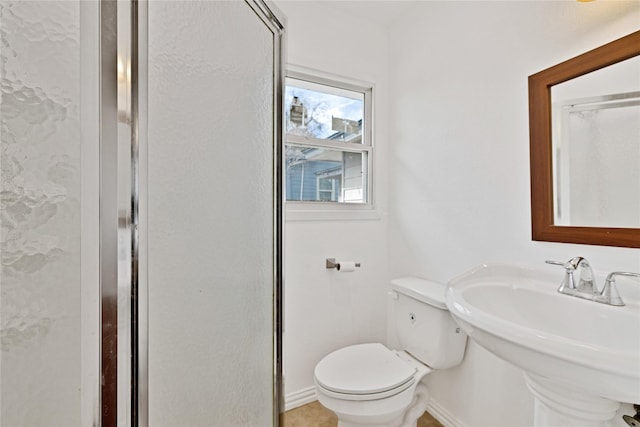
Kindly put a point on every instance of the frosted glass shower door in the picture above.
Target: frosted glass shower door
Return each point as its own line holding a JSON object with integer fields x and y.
{"x": 210, "y": 215}
{"x": 49, "y": 282}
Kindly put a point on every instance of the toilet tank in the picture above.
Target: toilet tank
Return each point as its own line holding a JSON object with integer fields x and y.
{"x": 423, "y": 325}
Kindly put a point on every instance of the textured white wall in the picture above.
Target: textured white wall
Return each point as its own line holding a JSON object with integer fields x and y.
{"x": 459, "y": 177}
{"x": 325, "y": 310}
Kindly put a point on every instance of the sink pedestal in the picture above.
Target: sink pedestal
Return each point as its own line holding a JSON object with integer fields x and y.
{"x": 558, "y": 405}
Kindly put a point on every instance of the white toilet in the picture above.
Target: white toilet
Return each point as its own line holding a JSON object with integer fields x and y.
{"x": 370, "y": 385}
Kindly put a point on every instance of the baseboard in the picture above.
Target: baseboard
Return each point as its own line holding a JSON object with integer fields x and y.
{"x": 299, "y": 398}
{"x": 308, "y": 395}
{"x": 446, "y": 418}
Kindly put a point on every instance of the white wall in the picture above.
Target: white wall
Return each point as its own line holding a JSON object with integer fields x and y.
{"x": 325, "y": 310}
{"x": 451, "y": 86}
{"x": 459, "y": 171}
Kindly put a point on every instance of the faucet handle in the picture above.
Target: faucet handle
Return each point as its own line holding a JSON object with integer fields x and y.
{"x": 570, "y": 265}
{"x": 566, "y": 265}
{"x": 609, "y": 293}
{"x": 568, "y": 285}
{"x": 612, "y": 276}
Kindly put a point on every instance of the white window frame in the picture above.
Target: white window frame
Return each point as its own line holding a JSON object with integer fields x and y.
{"x": 318, "y": 210}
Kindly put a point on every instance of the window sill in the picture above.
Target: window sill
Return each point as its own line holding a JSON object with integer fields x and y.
{"x": 305, "y": 212}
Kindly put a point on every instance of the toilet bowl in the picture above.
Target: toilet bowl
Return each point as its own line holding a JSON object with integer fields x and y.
{"x": 371, "y": 385}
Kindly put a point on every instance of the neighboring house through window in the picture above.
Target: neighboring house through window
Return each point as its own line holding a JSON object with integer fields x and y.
{"x": 328, "y": 146}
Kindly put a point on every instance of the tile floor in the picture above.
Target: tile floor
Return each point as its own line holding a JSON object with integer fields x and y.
{"x": 315, "y": 415}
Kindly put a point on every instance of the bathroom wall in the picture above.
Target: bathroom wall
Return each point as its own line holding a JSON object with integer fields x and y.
{"x": 325, "y": 310}
{"x": 459, "y": 161}
{"x": 452, "y": 157}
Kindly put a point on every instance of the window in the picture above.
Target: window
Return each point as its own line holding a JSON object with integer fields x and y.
{"x": 328, "y": 187}
{"x": 328, "y": 149}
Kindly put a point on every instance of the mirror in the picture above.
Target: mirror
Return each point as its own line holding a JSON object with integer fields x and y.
{"x": 584, "y": 125}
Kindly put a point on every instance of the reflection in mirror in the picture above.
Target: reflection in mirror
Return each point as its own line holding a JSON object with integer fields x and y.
{"x": 596, "y": 147}
{"x": 584, "y": 126}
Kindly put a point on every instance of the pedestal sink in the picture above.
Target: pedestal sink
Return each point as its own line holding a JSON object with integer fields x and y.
{"x": 580, "y": 358}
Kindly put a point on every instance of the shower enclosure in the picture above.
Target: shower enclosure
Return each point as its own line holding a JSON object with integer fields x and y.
{"x": 141, "y": 213}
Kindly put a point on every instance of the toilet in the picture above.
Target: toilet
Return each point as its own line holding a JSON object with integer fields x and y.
{"x": 371, "y": 385}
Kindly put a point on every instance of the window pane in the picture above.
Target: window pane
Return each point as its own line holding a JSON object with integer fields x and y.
{"x": 324, "y": 112}
{"x": 320, "y": 174}
{"x": 326, "y": 184}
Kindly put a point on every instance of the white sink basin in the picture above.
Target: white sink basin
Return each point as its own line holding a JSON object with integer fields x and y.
{"x": 579, "y": 345}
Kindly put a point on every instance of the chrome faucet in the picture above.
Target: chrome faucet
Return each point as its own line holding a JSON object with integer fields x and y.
{"x": 587, "y": 282}
{"x": 587, "y": 288}
{"x": 609, "y": 294}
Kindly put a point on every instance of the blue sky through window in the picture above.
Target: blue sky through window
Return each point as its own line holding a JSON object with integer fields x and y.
{"x": 320, "y": 107}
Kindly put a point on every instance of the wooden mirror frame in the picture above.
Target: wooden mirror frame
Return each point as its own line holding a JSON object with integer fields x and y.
{"x": 542, "y": 218}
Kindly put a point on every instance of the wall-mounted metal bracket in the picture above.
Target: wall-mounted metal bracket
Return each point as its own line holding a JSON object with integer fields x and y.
{"x": 332, "y": 263}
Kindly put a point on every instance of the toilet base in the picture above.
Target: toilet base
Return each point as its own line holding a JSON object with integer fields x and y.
{"x": 400, "y": 410}
{"x": 406, "y": 418}
{"x": 348, "y": 424}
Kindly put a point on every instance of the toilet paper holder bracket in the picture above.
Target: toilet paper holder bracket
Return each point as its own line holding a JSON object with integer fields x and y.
{"x": 332, "y": 263}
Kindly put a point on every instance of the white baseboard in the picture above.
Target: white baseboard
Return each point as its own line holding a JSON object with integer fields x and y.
{"x": 299, "y": 398}
{"x": 446, "y": 418}
{"x": 308, "y": 395}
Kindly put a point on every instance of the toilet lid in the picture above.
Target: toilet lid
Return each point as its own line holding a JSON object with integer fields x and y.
{"x": 363, "y": 369}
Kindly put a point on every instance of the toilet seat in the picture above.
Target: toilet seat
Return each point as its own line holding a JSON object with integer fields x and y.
{"x": 363, "y": 372}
